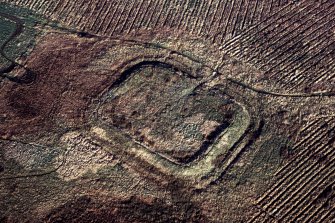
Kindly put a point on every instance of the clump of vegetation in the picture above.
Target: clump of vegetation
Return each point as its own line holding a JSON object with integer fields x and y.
{"x": 19, "y": 45}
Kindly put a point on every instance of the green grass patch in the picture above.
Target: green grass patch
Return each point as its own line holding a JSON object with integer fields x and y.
{"x": 21, "y": 44}
{"x": 6, "y": 29}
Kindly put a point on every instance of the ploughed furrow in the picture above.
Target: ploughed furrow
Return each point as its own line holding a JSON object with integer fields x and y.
{"x": 226, "y": 17}
{"x": 316, "y": 145}
{"x": 118, "y": 18}
{"x": 262, "y": 217}
{"x": 148, "y": 16}
{"x": 235, "y": 16}
{"x": 294, "y": 193}
{"x": 310, "y": 125}
{"x": 85, "y": 7}
{"x": 231, "y": 30}
{"x": 81, "y": 19}
{"x": 96, "y": 23}
{"x": 300, "y": 161}
{"x": 204, "y": 28}
{"x": 130, "y": 15}
{"x": 48, "y": 6}
{"x": 328, "y": 71}
{"x": 191, "y": 14}
{"x": 199, "y": 17}
{"x": 183, "y": 15}
{"x": 318, "y": 206}
{"x": 168, "y": 12}
{"x": 53, "y": 7}
{"x": 328, "y": 74}
{"x": 139, "y": 15}
{"x": 321, "y": 69}
{"x": 105, "y": 23}
{"x": 305, "y": 193}
{"x": 284, "y": 14}
{"x": 297, "y": 181}
{"x": 327, "y": 216}
{"x": 310, "y": 50}
{"x": 39, "y": 5}
{"x": 217, "y": 20}
{"x": 286, "y": 37}
{"x": 63, "y": 12}
{"x": 173, "y": 21}
{"x": 294, "y": 47}
{"x": 69, "y": 10}
{"x": 320, "y": 39}
{"x": 277, "y": 36}
{"x": 162, "y": 7}
{"x": 321, "y": 51}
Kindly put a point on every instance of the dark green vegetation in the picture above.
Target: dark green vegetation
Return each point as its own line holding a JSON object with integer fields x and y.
{"x": 7, "y": 28}
{"x": 19, "y": 29}
{"x": 19, "y": 45}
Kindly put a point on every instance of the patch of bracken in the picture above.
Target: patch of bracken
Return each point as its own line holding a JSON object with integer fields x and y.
{"x": 86, "y": 209}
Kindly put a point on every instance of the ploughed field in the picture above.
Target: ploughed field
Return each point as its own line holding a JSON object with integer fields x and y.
{"x": 167, "y": 111}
